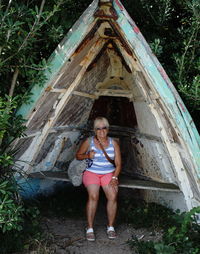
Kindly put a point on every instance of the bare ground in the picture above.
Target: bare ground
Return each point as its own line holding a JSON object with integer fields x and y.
{"x": 67, "y": 235}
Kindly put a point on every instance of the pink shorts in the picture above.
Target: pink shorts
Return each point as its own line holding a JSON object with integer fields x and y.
{"x": 93, "y": 178}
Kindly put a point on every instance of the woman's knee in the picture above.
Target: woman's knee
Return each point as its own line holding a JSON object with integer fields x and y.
{"x": 93, "y": 196}
{"x": 112, "y": 196}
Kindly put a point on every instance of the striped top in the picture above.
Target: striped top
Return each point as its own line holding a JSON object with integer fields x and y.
{"x": 100, "y": 165}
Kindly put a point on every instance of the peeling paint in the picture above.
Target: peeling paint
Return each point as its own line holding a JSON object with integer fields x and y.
{"x": 119, "y": 4}
{"x": 182, "y": 106}
{"x": 136, "y": 29}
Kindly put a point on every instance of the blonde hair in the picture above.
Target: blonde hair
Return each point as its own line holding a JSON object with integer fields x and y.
{"x": 101, "y": 119}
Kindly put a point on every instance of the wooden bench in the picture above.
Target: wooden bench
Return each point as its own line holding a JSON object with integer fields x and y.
{"x": 126, "y": 182}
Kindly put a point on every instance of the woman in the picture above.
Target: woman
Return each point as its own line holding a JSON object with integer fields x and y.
{"x": 101, "y": 173}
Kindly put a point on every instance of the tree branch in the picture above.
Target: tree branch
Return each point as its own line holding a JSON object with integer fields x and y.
{"x": 30, "y": 67}
{"x": 14, "y": 80}
{"x": 193, "y": 48}
{"x": 35, "y": 23}
{"x": 181, "y": 67}
{"x": 32, "y": 29}
{"x": 6, "y": 11}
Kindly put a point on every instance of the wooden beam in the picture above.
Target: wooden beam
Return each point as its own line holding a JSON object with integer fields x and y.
{"x": 57, "y": 90}
{"x": 94, "y": 50}
{"x": 130, "y": 60}
{"x": 87, "y": 95}
{"x": 124, "y": 181}
{"x": 42, "y": 98}
{"x": 147, "y": 185}
{"x": 114, "y": 131}
{"x": 115, "y": 93}
{"x": 54, "y": 176}
{"x": 148, "y": 136}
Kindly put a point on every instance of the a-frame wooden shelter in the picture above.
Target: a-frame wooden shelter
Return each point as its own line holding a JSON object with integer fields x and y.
{"x": 104, "y": 66}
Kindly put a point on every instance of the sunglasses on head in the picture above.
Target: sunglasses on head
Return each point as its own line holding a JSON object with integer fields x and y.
{"x": 103, "y": 128}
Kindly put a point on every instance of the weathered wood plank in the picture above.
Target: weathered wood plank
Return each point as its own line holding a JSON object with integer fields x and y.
{"x": 129, "y": 182}
{"x": 125, "y": 181}
{"x": 114, "y": 130}
{"x": 55, "y": 176}
{"x": 57, "y": 90}
{"x": 87, "y": 95}
{"x": 116, "y": 93}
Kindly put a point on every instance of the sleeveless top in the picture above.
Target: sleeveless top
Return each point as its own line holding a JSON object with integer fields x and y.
{"x": 99, "y": 164}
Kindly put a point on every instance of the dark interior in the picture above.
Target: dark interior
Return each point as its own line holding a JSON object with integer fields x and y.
{"x": 118, "y": 110}
{"x": 121, "y": 116}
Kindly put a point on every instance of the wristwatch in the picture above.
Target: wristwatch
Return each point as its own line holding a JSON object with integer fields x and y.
{"x": 115, "y": 177}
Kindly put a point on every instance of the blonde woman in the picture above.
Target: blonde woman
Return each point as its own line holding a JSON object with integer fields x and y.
{"x": 101, "y": 173}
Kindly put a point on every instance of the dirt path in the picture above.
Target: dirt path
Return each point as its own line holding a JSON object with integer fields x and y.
{"x": 68, "y": 236}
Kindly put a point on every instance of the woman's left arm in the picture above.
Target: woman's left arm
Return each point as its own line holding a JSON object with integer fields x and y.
{"x": 117, "y": 159}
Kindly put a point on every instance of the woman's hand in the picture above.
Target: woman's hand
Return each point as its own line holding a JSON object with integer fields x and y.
{"x": 91, "y": 154}
{"x": 114, "y": 183}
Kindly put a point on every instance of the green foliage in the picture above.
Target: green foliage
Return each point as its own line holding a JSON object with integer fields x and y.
{"x": 160, "y": 11}
{"x": 36, "y": 27}
{"x": 13, "y": 214}
{"x": 11, "y": 211}
{"x": 164, "y": 249}
{"x": 187, "y": 59}
{"x": 184, "y": 235}
{"x": 150, "y": 247}
{"x": 148, "y": 214}
{"x": 11, "y": 127}
{"x": 141, "y": 247}
{"x": 19, "y": 222}
{"x": 191, "y": 92}
{"x": 157, "y": 47}
{"x": 25, "y": 239}
{"x": 180, "y": 230}
{"x": 6, "y": 108}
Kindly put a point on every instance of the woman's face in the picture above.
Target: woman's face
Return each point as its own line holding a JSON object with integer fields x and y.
{"x": 101, "y": 130}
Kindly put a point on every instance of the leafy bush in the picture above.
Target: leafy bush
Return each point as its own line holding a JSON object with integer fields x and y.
{"x": 15, "y": 218}
{"x": 19, "y": 224}
{"x": 142, "y": 214}
{"x": 180, "y": 230}
{"x": 184, "y": 233}
{"x": 11, "y": 211}
{"x": 11, "y": 127}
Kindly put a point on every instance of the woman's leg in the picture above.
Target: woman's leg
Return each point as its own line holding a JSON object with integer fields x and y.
{"x": 111, "y": 195}
{"x": 93, "y": 197}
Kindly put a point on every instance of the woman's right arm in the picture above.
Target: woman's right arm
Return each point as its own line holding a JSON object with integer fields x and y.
{"x": 82, "y": 154}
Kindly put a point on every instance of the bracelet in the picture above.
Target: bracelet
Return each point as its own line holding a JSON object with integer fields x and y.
{"x": 115, "y": 177}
